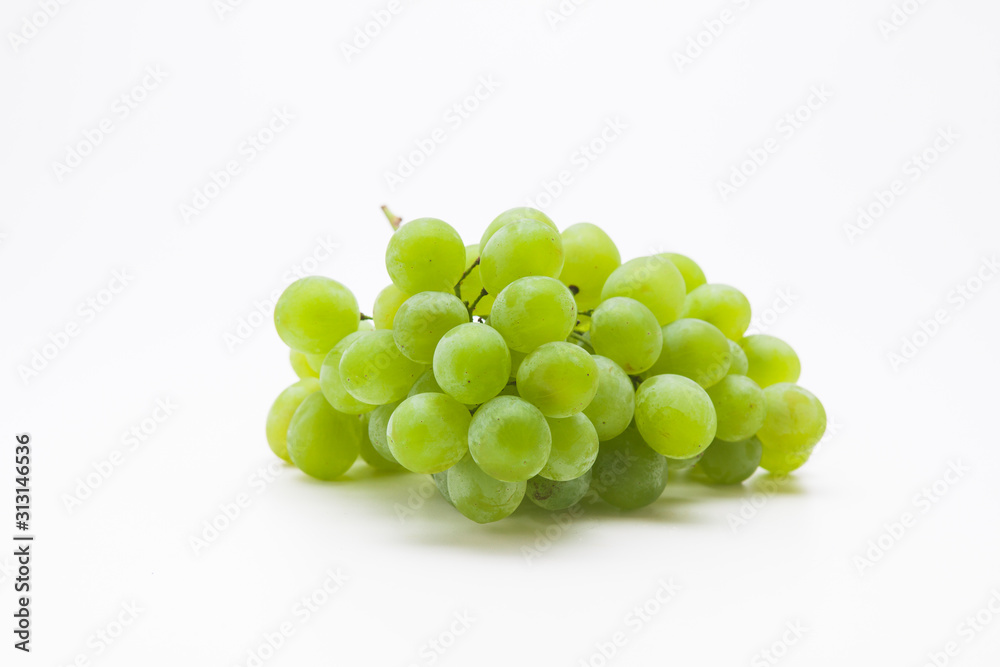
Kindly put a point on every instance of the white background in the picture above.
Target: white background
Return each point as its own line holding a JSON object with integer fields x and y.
{"x": 896, "y": 429}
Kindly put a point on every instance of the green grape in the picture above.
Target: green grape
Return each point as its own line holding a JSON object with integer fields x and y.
{"x": 280, "y": 414}
{"x": 560, "y": 379}
{"x": 479, "y": 496}
{"x": 582, "y": 341}
{"x": 626, "y": 332}
{"x": 531, "y": 311}
{"x": 739, "y": 364}
{"x": 472, "y": 363}
{"x": 795, "y": 419}
{"x": 554, "y": 496}
{"x": 387, "y": 303}
{"x": 374, "y": 371}
{"x": 627, "y": 473}
{"x": 694, "y": 349}
{"x": 472, "y": 286}
{"x": 520, "y": 249}
{"x": 314, "y": 313}
{"x": 730, "y": 462}
{"x": 693, "y": 276}
{"x": 574, "y": 448}
{"x": 591, "y": 256}
{"x": 680, "y": 467}
{"x": 300, "y": 364}
{"x": 423, "y": 319}
{"x": 332, "y": 386}
{"x": 366, "y": 325}
{"x": 370, "y": 454}
{"x": 513, "y": 215}
{"x": 425, "y": 384}
{"x": 315, "y": 361}
{"x": 509, "y": 439}
{"x": 675, "y": 416}
{"x": 739, "y": 407}
{"x": 613, "y": 406}
{"x": 441, "y": 482}
{"x": 781, "y": 463}
{"x": 770, "y": 360}
{"x": 429, "y": 433}
{"x": 515, "y": 361}
{"x": 378, "y": 425}
{"x": 510, "y": 390}
{"x": 322, "y": 442}
{"x": 653, "y": 281}
{"x": 425, "y": 255}
{"x": 724, "y": 306}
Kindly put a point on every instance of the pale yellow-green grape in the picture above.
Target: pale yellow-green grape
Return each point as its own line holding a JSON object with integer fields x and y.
{"x": 480, "y": 497}
{"x": 724, "y": 306}
{"x": 730, "y": 462}
{"x": 315, "y": 361}
{"x": 510, "y": 390}
{"x": 387, "y": 303}
{"x": 332, "y": 386}
{"x": 582, "y": 341}
{"x": 554, "y": 496}
{"x": 625, "y": 331}
{"x": 681, "y": 467}
{"x": 322, "y": 442}
{"x": 694, "y": 349}
{"x": 770, "y": 360}
{"x": 513, "y": 215}
{"x": 378, "y": 425}
{"x": 472, "y": 286}
{"x": 778, "y": 462}
{"x": 560, "y": 379}
{"x": 532, "y": 311}
{"x": 300, "y": 364}
{"x": 441, "y": 482}
{"x": 280, "y": 414}
{"x": 653, "y": 281}
{"x": 613, "y": 406}
{"x": 472, "y": 363}
{"x": 591, "y": 256}
{"x": 509, "y": 439}
{"x": 429, "y": 433}
{"x": 627, "y": 473}
{"x": 314, "y": 313}
{"x": 520, "y": 249}
{"x": 574, "y": 448}
{"x": 675, "y": 416}
{"x": 515, "y": 362}
{"x": 423, "y": 319}
{"x": 371, "y": 455}
{"x": 424, "y": 255}
{"x": 366, "y": 325}
{"x": 425, "y": 384}
{"x": 693, "y": 275}
{"x": 739, "y": 364}
{"x": 374, "y": 371}
{"x": 739, "y": 407}
{"x": 796, "y": 420}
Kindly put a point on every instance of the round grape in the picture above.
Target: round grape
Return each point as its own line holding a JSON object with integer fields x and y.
{"x": 627, "y": 473}
{"x": 509, "y": 439}
{"x": 332, "y": 386}
{"x": 554, "y": 496}
{"x": 694, "y": 349}
{"x": 280, "y": 414}
{"x": 387, "y": 303}
{"x": 675, "y": 416}
{"x": 693, "y": 276}
{"x": 724, "y": 306}
{"x": 625, "y": 331}
{"x": 739, "y": 407}
{"x": 613, "y": 406}
{"x": 591, "y": 256}
{"x": 574, "y": 448}
{"x": 322, "y": 442}
{"x": 472, "y": 363}
{"x": 520, "y": 249}
{"x": 730, "y": 462}
{"x": 514, "y": 215}
{"x": 532, "y": 311}
{"x": 560, "y": 379}
{"x": 374, "y": 371}
{"x": 479, "y": 496}
{"x": 423, "y": 319}
{"x": 425, "y": 255}
{"x": 770, "y": 360}
{"x": 653, "y": 281}
{"x": 314, "y": 313}
{"x": 429, "y": 433}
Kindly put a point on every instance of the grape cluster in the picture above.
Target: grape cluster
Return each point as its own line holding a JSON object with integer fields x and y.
{"x": 536, "y": 364}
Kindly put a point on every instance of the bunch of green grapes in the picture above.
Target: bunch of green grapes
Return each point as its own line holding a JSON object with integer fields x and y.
{"x": 536, "y": 366}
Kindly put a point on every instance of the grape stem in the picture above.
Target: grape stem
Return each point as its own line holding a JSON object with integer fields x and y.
{"x": 636, "y": 380}
{"x": 588, "y": 313}
{"x": 458, "y": 285}
{"x": 394, "y": 219}
{"x": 577, "y": 335}
{"x": 476, "y": 302}
{"x": 366, "y": 317}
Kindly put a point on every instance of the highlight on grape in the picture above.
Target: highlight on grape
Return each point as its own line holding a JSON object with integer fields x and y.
{"x": 536, "y": 366}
